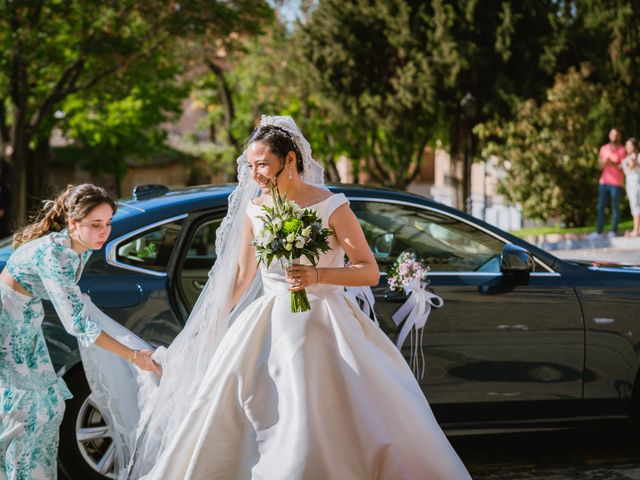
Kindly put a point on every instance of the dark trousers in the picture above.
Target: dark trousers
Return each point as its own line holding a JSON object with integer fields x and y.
{"x": 604, "y": 193}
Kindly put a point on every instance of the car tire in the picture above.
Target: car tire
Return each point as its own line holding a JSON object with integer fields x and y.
{"x": 86, "y": 449}
{"x": 634, "y": 413}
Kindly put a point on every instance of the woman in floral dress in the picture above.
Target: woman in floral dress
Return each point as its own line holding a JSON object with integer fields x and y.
{"x": 47, "y": 264}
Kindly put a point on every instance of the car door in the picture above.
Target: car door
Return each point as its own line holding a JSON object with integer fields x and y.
{"x": 495, "y": 351}
{"x": 196, "y": 258}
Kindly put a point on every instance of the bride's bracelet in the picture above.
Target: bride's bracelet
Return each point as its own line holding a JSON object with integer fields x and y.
{"x": 134, "y": 356}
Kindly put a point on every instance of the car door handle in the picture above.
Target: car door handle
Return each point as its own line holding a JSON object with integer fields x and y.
{"x": 395, "y": 297}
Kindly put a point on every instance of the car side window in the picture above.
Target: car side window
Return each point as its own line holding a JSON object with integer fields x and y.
{"x": 444, "y": 243}
{"x": 199, "y": 258}
{"x": 150, "y": 249}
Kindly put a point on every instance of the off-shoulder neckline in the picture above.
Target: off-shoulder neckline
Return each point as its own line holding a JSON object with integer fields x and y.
{"x": 308, "y": 206}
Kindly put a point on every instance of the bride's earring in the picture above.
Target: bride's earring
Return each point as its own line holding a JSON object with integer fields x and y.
{"x": 290, "y": 174}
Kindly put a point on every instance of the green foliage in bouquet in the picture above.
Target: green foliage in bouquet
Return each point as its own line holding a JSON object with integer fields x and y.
{"x": 288, "y": 233}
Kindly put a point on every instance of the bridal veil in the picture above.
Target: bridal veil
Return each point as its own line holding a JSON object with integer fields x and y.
{"x": 145, "y": 413}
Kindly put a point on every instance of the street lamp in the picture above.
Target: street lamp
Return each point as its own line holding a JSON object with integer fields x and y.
{"x": 469, "y": 105}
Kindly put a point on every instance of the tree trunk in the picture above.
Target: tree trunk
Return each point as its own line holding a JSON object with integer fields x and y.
{"x": 117, "y": 176}
{"x": 330, "y": 162}
{"x": 38, "y": 163}
{"x": 17, "y": 175}
{"x": 355, "y": 169}
{"x": 332, "y": 171}
{"x": 227, "y": 104}
{"x": 458, "y": 139}
{"x": 412, "y": 165}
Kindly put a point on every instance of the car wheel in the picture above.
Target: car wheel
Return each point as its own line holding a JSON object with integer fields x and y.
{"x": 86, "y": 448}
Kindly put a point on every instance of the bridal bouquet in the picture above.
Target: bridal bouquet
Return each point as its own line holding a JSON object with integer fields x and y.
{"x": 288, "y": 233}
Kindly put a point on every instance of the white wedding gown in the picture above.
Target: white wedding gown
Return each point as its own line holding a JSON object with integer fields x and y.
{"x": 317, "y": 395}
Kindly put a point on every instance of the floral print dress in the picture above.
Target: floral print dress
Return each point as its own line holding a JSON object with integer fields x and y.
{"x": 32, "y": 396}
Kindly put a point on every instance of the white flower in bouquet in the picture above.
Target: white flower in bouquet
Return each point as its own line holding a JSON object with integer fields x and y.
{"x": 288, "y": 233}
{"x": 267, "y": 238}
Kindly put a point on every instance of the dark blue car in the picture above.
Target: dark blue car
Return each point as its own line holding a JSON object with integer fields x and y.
{"x": 523, "y": 341}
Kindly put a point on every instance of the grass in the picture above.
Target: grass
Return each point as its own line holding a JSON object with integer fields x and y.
{"x": 525, "y": 232}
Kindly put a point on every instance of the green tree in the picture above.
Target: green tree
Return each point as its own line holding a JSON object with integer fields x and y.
{"x": 399, "y": 69}
{"x": 51, "y": 49}
{"x": 243, "y": 80}
{"x": 550, "y": 150}
{"x": 497, "y": 50}
{"x": 369, "y": 62}
{"x": 266, "y": 75}
{"x": 612, "y": 33}
{"x": 109, "y": 125}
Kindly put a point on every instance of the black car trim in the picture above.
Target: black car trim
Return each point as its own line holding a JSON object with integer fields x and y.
{"x": 633, "y": 269}
{"x": 443, "y": 273}
{"x": 442, "y": 212}
{"x": 543, "y": 425}
{"x": 110, "y": 250}
{"x": 488, "y": 274}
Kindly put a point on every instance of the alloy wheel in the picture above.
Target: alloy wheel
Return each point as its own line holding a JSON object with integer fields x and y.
{"x": 95, "y": 439}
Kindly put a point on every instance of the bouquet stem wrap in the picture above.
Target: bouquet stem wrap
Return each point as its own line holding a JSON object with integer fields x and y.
{"x": 299, "y": 299}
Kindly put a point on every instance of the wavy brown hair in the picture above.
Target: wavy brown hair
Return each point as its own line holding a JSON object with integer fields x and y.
{"x": 73, "y": 203}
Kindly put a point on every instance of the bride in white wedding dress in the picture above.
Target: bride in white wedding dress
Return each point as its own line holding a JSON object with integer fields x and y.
{"x": 271, "y": 394}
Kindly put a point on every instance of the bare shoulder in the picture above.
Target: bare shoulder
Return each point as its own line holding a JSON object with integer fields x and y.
{"x": 316, "y": 195}
{"x": 342, "y": 215}
{"x": 320, "y": 192}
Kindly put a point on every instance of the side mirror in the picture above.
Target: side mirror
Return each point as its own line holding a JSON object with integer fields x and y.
{"x": 382, "y": 244}
{"x": 516, "y": 264}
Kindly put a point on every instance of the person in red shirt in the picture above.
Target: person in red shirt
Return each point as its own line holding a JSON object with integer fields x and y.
{"x": 611, "y": 181}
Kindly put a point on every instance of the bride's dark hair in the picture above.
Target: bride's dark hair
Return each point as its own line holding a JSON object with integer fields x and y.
{"x": 279, "y": 142}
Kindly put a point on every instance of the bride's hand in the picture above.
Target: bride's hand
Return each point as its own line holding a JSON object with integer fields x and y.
{"x": 144, "y": 362}
{"x": 301, "y": 276}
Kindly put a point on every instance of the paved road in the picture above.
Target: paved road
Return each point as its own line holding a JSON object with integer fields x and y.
{"x": 595, "y": 455}
{"x": 592, "y": 455}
